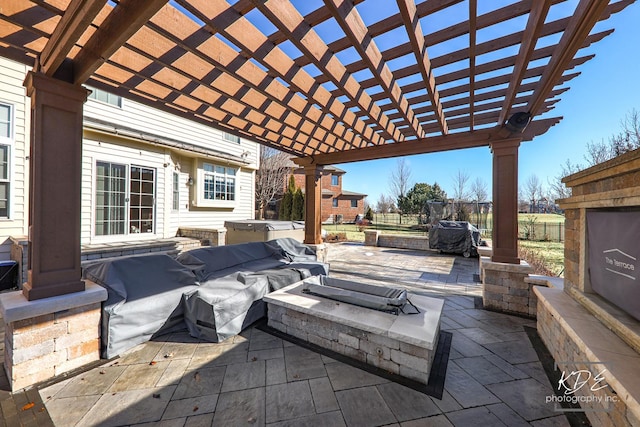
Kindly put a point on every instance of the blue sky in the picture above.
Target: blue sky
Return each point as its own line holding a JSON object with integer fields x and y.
{"x": 592, "y": 110}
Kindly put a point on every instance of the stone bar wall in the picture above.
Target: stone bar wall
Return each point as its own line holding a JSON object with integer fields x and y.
{"x": 505, "y": 289}
{"x": 50, "y": 336}
{"x": 375, "y": 238}
{"x": 210, "y": 237}
{"x": 393, "y": 356}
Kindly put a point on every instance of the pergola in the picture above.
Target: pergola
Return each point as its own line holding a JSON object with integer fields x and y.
{"x": 326, "y": 81}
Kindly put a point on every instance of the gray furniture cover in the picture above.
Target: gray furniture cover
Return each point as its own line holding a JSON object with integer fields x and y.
{"x": 213, "y": 291}
{"x": 144, "y": 298}
{"x": 219, "y": 309}
{"x": 234, "y": 278}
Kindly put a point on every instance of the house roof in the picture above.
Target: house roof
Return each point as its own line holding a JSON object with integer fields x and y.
{"x": 322, "y": 83}
{"x": 352, "y": 194}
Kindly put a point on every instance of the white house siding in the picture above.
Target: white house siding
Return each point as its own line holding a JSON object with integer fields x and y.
{"x": 12, "y": 92}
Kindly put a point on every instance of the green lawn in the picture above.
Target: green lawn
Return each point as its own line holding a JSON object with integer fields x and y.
{"x": 552, "y": 254}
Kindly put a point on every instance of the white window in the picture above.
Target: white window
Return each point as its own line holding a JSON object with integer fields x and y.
{"x": 106, "y": 97}
{"x": 6, "y": 142}
{"x": 334, "y": 180}
{"x": 354, "y": 203}
{"x": 219, "y": 182}
{"x": 124, "y": 204}
{"x": 176, "y": 191}
{"x": 230, "y": 137}
{"x": 335, "y": 203}
{"x": 215, "y": 185}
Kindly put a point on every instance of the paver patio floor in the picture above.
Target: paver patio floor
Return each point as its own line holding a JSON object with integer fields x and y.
{"x": 494, "y": 377}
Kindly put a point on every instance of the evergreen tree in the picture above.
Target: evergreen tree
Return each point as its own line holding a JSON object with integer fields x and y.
{"x": 285, "y": 206}
{"x": 369, "y": 214}
{"x": 297, "y": 206}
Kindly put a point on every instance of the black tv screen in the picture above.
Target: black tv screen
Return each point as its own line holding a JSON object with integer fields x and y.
{"x": 614, "y": 254}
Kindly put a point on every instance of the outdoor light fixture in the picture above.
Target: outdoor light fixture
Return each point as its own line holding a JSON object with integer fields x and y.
{"x": 518, "y": 122}
{"x": 190, "y": 182}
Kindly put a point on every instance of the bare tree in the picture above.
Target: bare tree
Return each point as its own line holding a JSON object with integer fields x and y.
{"x": 460, "y": 180}
{"x": 384, "y": 205}
{"x": 556, "y": 186}
{"x": 479, "y": 190}
{"x": 629, "y": 138}
{"x": 598, "y": 152}
{"x": 532, "y": 190}
{"x": 271, "y": 177}
{"x": 399, "y": 179}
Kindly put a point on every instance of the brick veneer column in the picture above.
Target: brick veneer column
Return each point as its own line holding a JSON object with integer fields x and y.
{"x": 505, "y": 201}
{"x": 312, "y": 201}
{"x": 54, "y": 187}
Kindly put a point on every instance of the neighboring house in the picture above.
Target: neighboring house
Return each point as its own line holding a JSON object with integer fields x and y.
{"x": 338, "y": 205}
{"x": 146, "y": 173}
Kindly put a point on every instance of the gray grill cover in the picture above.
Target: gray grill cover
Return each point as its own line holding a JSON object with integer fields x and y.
{"x": 144, "y": 298}
{"x": 454, "y": 236}
{"x": 361, "y": 294}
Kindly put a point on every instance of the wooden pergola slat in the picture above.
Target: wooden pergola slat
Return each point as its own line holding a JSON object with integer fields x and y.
{"x": 258, "y": 47}
{"x": 127, "y": 17}
{"x": 530, "y": 37}
{"x": 409, "y": 13}
{"x": 285, "y": 16}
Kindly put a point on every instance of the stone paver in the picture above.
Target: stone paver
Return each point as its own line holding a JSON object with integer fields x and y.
{"x": 494, "y": 376}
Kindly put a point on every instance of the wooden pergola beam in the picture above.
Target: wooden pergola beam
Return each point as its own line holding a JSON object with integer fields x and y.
{"x": 286, "y": 18}
{"x": 125, "y": 19}
{"x": 74, "y": 22}
{"x": 409, "y": 14}
{"x": 434, "y": 144}
{"x": 530, "y": 37}
{"x": 587, "y": 13}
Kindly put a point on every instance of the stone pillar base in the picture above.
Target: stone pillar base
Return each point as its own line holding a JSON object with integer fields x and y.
{"x": 504, "y": 288}
{"x": 322, "y": 251}
{"x": 50, "y": 336}
{"x": 371, "y": 237}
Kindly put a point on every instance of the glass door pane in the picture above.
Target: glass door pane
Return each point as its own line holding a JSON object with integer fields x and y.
{"x": 142, "y": 204}
{"x": 110, "y": 199}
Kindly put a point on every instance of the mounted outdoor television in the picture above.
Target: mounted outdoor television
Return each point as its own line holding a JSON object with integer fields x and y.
{"x": 613, "y": 238}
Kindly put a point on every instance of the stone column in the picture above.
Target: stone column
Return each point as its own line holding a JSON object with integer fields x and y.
{"x": 312, "y": 202}
{"x": 505, "y": 201}
{"x": 54, "y": 187}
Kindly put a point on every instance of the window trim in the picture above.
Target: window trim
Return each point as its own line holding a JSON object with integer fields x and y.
{"x": 9, "y": 142}
{"x": 337, "y": 178}
{"x": 199, "y": 186}
{"x": 334, "y": 202}
{"x": 231, "y": 137}
{"x": 175, "y": 194}
{"x": 93, "y": 96}
{"x": 352, "y": 203}
{"x": 128, "y": 164}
